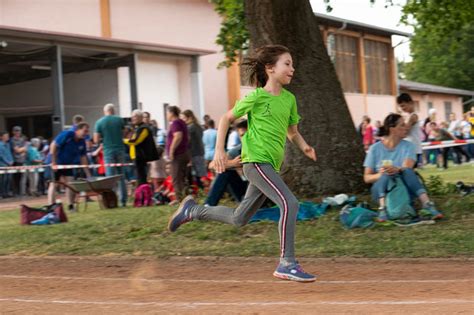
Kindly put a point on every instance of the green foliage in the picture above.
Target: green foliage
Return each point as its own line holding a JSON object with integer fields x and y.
{"x": 233, "y": 35}
{"x": 437, "y": 187}
{"x": 442, "y": 47}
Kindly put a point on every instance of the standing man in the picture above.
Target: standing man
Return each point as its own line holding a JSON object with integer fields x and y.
{"x": 177, "y": 150}
{"x": 407, "y": 105}
{"x": 65, "y": 148}
{"x": 6, "y": 159}
{"x": 109, "y": 130}
{"x": 19, "y": 148}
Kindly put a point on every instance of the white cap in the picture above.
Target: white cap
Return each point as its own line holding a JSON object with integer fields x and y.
{"x": 432, "y": 111}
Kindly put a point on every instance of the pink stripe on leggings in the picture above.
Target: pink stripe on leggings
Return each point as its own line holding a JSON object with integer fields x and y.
{"x": 285, "y": 209}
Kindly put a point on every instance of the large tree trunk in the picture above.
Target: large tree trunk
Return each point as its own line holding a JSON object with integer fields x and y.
{"x": 326, "y": 122}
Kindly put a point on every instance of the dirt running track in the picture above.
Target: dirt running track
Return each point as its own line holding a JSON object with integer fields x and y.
{"x": 108, "y": 285}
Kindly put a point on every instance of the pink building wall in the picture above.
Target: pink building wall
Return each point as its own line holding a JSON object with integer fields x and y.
{"x": 185, "y": 23}
{"x": 438, "y": 101}
{"x": 78, "y": 16}
{"x": 375, "y": 106}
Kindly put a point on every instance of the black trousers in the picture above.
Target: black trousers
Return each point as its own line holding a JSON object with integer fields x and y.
{"x": 141, "y": 168}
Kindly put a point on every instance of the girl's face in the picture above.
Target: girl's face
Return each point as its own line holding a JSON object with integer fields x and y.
{"x": 400, "y": 130}
{"x": 407, "y": 107}
{"x": 184, "y": 118}
{"x": 283, "y": 70}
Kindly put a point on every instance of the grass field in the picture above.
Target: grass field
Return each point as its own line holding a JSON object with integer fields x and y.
{"x": 142, "y": 231}
{"x": 453, "y": 174}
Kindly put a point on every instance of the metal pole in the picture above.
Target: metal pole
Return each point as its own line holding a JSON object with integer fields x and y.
{"x": 132, "y": 68}
{"x": 58, "y": 90}
{"x": 197, "y": 96}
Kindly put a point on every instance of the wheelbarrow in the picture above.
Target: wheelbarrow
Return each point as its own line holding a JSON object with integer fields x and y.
{"x": 102, "y": 187}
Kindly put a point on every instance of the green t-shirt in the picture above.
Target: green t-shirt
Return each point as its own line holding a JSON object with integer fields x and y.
{"x": 110, "y": 128}
{"x": 269, "y": 117}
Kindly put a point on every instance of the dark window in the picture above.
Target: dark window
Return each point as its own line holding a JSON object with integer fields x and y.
{"x": 447, "y": 110}
{"x": 377, "y": 67}
{"x": 344, "y": 52}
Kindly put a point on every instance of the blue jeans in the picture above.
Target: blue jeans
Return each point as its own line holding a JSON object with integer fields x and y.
{"x": 117, "y": 157}
{"x": 229, "y": 180}
{"x": 409, "y": 178}
{"x": 5, "y": 185}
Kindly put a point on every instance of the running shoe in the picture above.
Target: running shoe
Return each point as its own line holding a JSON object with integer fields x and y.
{"x": 181, "y": 215}
{"x": 383, "y": 216}
{"x": 293, "y": 272}
{"x": 430, "y": 212}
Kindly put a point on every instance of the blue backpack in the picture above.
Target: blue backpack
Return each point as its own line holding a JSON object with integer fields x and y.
{"x": 398, "y": 201}
{"x": 354, "y": 217}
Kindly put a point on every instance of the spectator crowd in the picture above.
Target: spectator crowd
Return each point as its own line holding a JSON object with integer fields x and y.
{"x": 428, "y": 130}
{"x": 177, "y": 160}
{"x": 174, "y": 161}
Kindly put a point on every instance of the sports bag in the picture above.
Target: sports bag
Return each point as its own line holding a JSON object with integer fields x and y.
{"x": 398, "y": 201}
{"x": 354, "y": 217}
{"x": 28, "y": 214}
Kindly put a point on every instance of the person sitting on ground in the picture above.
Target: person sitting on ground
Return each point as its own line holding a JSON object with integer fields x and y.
{"x": 64, "y": 149}
{"x": 394, "y": 156}
{"x": 165, "y": 193}
{"x": 229, "y": 180}
{"x": 158, "y": 169}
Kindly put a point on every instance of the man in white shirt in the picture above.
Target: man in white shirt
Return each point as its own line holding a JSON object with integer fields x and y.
{"x": 407, "y": 105}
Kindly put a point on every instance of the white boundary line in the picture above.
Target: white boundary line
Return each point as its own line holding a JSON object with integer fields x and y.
{"x": 232, "y": 281}
{"x": 241, "y": 304}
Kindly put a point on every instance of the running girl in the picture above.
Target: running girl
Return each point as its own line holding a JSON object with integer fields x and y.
{"x": 272, "y": 116}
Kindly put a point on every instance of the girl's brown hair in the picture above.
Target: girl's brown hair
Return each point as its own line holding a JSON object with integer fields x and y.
{"x": 254, "y": 66}
{"x": 189, "y": 114}
{"x": 389, "y": 122}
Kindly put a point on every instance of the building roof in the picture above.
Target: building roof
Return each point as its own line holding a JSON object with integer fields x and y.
{"x": 357, "y": 26}
{"x": 38, "y": 37}
{"x": 424, "y": 87}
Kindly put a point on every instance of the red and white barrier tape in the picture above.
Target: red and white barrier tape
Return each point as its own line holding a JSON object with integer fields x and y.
{"x": 445, "y": 144}
{"x": 41, "y": 168}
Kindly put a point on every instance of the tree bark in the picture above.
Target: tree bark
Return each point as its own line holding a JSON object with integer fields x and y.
{"x": 326, "y": 122}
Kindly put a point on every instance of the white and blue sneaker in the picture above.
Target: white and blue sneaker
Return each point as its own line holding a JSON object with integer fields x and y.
{"x": 293, "y": 272}
{"x": 181, "y": 215}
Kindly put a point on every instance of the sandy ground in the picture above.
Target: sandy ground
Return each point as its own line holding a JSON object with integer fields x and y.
{"x": 211, "y": 285}
{"x": 16, "y": 202}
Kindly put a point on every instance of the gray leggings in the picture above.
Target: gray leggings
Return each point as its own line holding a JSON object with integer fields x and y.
{"x": 263, "y": 182}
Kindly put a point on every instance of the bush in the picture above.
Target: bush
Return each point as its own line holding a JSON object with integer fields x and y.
{"x": 437, "y": 187}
